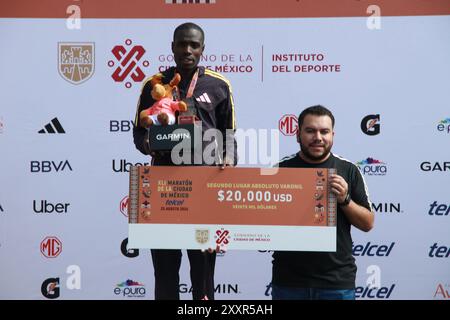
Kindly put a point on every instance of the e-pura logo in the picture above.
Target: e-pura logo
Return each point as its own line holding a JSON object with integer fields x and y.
{"x": 130, "y": 289}
{"x": 444, "y": 125}
{"x": 372, "y": 167}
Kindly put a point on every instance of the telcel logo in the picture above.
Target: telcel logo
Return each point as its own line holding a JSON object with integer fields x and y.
{"x": 439, "y": 252}
{"x": 439, "y": 209}
{"x": 374, "y": 293}
{"x": 372, "y": 250}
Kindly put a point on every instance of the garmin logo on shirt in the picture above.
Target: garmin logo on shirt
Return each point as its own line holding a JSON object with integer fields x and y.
{"x": 173, "y": 136}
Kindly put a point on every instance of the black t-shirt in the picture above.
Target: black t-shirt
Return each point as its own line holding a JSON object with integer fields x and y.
{"x": 327, "y": 270}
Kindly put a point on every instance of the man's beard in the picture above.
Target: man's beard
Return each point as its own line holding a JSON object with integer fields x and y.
{"x": 312, "y": 157}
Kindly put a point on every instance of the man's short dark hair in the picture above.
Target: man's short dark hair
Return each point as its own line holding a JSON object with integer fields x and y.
{"x": 188, "y": 26}
{"x": 317, "y": 110}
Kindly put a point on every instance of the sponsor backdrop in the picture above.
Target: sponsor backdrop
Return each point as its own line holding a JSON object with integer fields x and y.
{"x": 71, "y": 76}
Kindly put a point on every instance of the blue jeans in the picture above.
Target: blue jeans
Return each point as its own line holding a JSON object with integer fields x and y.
{"x": 290, "y": 293}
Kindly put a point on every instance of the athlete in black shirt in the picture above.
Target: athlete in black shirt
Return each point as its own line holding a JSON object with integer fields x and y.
{"x": 209, "y": 93}
{"x": 324, "y": 275}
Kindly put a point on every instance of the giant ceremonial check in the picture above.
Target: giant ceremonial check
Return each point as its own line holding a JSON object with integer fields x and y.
{"x": 237, "y": 208}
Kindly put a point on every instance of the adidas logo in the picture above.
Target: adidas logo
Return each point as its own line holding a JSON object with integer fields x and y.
{"x": 53, "y": 127}
{"x": 203, "y": 98}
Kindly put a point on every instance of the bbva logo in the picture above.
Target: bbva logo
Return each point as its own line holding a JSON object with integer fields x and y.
{"x": 50, "y": 166}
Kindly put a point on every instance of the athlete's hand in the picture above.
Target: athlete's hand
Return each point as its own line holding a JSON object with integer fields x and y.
{"x": 227, "y": 162}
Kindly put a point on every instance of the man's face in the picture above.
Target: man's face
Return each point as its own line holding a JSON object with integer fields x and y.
{"x": 187, "y": 49}
{"x": 316, "y": 137}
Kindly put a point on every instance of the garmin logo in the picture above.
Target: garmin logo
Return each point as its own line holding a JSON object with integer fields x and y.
{"x": 386, "y": 207}
{"x": 173, "y": 136}
{"x": 221, "y": 288}
{"x": 435, "y": 166}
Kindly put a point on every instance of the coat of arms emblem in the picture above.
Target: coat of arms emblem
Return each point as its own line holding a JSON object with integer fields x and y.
{"x": 76, "y": 61}
{"x": 202, "y": 236}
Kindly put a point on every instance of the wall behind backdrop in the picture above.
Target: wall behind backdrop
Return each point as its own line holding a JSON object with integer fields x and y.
{"x": 66, "y": 140}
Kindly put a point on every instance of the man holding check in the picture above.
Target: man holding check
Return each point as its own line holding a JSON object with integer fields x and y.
{"x": 324, "y": 275}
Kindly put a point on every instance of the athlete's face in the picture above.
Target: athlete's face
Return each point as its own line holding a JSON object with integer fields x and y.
{"x": 187, "y": 49}
{"x": 316, "y": 138}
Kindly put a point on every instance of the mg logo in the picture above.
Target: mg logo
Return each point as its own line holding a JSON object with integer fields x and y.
{"x": 124, "y": 206}
{"x": 51, "y": 247}
{"x": 127, "y": 63}
{"x": 76, "y": 61}
{"x": 288, "y": 125}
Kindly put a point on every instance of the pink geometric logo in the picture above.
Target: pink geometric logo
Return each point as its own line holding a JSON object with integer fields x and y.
{"x": 128, "y": 59}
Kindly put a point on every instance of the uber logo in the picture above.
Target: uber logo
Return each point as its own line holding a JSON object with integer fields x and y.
{"x": 124, "y": 166}
{"x": 47, "y": 207}
{"x": 120, "y": 125}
